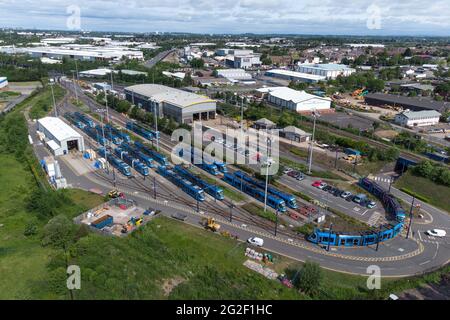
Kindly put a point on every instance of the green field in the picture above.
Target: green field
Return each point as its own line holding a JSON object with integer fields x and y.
{"x": 42, "y": 104}
{"x": 437, "y": 195}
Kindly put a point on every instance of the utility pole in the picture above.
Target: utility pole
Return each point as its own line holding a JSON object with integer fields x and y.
{"x": 329, "y": 236}
{"x": 154, "y": 187}
{"x": 336, "y": 158}
{"x": 156, "y": 126}
{"x": 410, "y": 217}
{"x": 391, "y": 180}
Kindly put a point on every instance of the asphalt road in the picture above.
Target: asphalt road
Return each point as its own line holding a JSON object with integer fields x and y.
{"x": 160, "y": 56}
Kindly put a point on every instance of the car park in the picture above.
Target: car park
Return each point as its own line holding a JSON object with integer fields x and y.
{"x": 436, "y": 233}
{"x": 346, "y": 194}
{"x": 256, "y": 241}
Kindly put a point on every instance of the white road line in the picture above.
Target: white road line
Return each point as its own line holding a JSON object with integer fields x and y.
{"x": 425, "y": 262}
{"x": 420, "y": 235}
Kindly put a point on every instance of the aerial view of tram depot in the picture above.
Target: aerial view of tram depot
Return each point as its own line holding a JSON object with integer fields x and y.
{"x": 204, "y": 156}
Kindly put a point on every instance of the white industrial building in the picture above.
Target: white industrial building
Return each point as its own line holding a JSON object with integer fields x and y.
{"x": 295, "y": 100}
{"x": 417, "y": 118}
{"x": 3, "y": 82}
{"x": 86, "y": 52}
{"x": 59, "y": 137}
{"x": 294, "y": 76}
{"x": 329, "y": 70}
{"x": 182, "y": 106}
{"x": 234, "y": 74}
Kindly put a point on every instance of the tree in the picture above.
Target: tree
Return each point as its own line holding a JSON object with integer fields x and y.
{"x": 59, "y": 233}
{"x": 310, "y": 278}
{"x": 197, "y": 63}
{"x": 407, "y": 53}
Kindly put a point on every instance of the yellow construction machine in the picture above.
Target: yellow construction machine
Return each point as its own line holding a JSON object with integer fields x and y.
{"x": 210, "y": 223}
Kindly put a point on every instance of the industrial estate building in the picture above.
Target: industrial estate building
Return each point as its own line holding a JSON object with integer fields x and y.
{"x": 88, "y": 53}
{"x": 59, "y": 137}
{"x": 415, "y": 104}
{"x": 294, "y": 76}
{"x": 418, "y": 118}
{"x": 182, "y": 106}
{"x": 329, "y": 71}
{"x": 295, "y": 100}
{"x": 234, "y": 74}
{"x": 3, "y": 82}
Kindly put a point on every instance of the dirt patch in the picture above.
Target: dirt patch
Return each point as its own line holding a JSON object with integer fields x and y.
{"x": 439, "y": 291}
{"x": 170, "y": 284}
{"x": 387, "y": 134}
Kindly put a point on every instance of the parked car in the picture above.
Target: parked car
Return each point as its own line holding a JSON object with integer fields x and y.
{"x": 371, "y": 204}
{"x": 436, "y": 233}
{"x": 346, "y": 194}
{"x": 322, "y": 185}
{"x": 292, "y": 173}
{"x": 331, "y": 189}
{"x": 256, "y": 241}
{"x": 337, "y": 192}
{"x": 300, "y": 177}
{"x": 350, "y": 198}
{"x": 287, "y": 170}
{"x": 316, "y": 183}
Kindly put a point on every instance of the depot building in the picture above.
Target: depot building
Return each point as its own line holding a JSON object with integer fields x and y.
{"x": 182, "y": 106}
{"x": 59, "y": 137}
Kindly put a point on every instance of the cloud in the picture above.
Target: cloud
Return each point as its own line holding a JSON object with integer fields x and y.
{"x": 396, "y": 17}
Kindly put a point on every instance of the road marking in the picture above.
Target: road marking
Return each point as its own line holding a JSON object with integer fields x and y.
{"x": 420, "y": 235}
{"x": 425, "y": 262}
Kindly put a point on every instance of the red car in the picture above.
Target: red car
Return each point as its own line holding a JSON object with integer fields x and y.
{"x": 316, "y": 183}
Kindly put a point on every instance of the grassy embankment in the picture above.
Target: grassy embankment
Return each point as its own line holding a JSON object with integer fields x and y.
{"x": 425, "y": 190}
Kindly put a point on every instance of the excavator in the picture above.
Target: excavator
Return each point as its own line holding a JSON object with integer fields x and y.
{"x": 210, "y": 223}
{"x": 360, "y": 93}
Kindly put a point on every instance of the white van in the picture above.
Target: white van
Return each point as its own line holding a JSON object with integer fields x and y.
{"x": 256, "y": 241}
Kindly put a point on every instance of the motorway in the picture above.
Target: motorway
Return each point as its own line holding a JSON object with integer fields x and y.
{"x": 397, "y": 257}
{"x": 160, "y": 56}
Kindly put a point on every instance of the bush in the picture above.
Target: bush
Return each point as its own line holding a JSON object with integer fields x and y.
{"x": 415, "y": 195}
{"x": 310, "y": 278}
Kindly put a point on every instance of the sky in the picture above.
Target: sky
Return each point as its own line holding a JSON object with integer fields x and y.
{"x": 340, "y": 17}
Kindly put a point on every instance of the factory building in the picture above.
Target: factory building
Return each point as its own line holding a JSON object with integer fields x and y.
{"x": 411, "y": 103}
{"x": 86, "y": 53}
{"x": 295, "y": 100}
{"x": 3, "y": 82}
{"x": 58, "y": 136}
{"x": 417, "y": 119}
{"x": 234, "y": 74}
{"x": 294, "y": 76}
{"x": 329, "y": 71}
{"x": 182, "y": 106}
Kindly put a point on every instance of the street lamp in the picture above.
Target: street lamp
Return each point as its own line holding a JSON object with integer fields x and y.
{"x": 315, "y": 115}
{"x": 410, "y": 216}
{"x": 52, "y": 82}
{"x": 267, "y": 164}
{"x": 329, "y": 236}
{"x": 276, "y": 222}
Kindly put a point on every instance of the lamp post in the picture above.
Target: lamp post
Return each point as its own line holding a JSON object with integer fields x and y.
{"x": 329, "y": 236}
{"x": 315, "y": 115}
{"x": 276, "y": 222}
{"x": 268, "y": 164}
{"x": 53, "y": 96}
{"x": 410, "y": 217}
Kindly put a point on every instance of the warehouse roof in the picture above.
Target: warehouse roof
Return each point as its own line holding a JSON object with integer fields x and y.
{"x": 167, "y": 94}
{"x": 289, "y": 94}
{"x": 327, "y": 66}
{"x": 421, "y": 102}
{"x": 58, "y": 128}
{"x": 411, "y": 115}
{"x": 295, "y": 130}
{"x": 296, "y": 74}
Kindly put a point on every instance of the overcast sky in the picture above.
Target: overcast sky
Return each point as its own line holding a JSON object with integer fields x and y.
{"x": 352, "y": 17}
